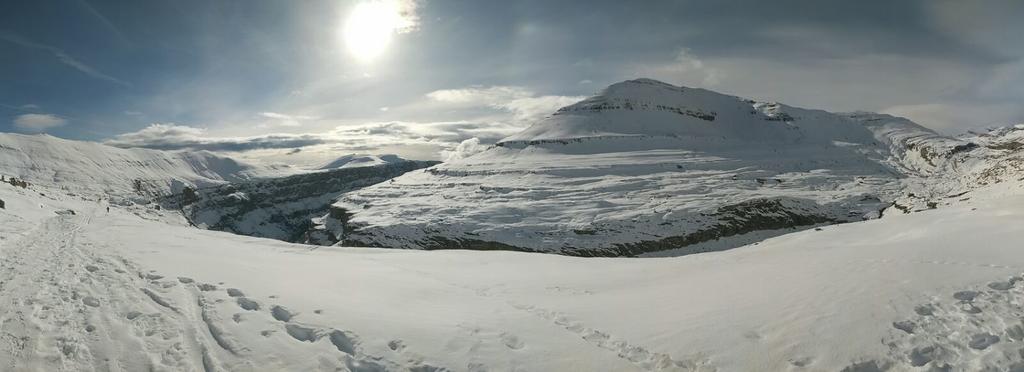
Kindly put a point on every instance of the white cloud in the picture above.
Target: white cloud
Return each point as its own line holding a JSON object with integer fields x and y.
{"x": 176, "y": 137}
{"x": 446, "y": 133}
{"x": 480, "y": 96}
{"x": 463, "y": 150}
{"x": 418, "y": 138}
{"x": 522, "y": 103}
{"x": 409, "y": 18}
{"x": 36, "y": 123}
{"x": 533, "y": 108}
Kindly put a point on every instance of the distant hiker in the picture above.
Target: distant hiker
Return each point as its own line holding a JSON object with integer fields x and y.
{"x": 108, "y": 209}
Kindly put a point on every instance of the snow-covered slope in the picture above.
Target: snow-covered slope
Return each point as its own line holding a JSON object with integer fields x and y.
{"x": 936, "y": 290}
{"x": 94, "y": 168}
{"x": 646, "y": 166}
{"x": 353, "y": 160}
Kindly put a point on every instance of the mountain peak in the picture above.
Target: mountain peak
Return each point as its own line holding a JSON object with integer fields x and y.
{"x": 648, "y": 90}
{"x": 652, "y": 108}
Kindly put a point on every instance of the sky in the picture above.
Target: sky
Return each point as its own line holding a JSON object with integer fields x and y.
{"x": 305, "y": 81}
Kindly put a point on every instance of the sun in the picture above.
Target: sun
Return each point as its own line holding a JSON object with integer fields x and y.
{"x": 370, "y": 27}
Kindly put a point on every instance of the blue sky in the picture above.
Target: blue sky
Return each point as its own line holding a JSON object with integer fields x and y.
{"x": 271, "y": 76}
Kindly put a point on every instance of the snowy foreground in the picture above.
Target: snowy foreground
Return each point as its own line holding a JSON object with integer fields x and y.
{"x": 123, "y": 291}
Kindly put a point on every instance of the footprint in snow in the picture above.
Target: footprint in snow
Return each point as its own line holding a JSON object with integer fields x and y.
{"x": 248, "y": 304}
{"x": 396, "y": 345}
{"x": 91, "y": 301}
{"x": 904, "y": 325}
{"x": 925, "y": 310}
{"x": 982, "y": 341}
{"x": 343, "y": 341}
{"x": 965, "y": 296}
{"x": 922, "y": 355}
{"x": 281, "y": 313}
{"x": 1001, "y": 286}
{"x": 512, "y": 341}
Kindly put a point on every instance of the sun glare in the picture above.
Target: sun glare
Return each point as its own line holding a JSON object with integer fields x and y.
{"x": 370, "y": 27}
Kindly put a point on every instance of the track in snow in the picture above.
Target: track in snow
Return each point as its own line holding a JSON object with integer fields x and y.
{"x": 72, "y": 305}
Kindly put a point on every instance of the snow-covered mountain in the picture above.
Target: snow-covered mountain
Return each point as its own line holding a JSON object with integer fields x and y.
{"x": 94, "y": 168}
{"x": 646, "y": 166}
{"x": 353, "y": 160}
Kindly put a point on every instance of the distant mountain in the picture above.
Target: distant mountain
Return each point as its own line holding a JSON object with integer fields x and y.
{"x": 353, "y": 160}
{"x": 646, "y": 166}
{"x": 94, "y": 168}
{"x": 213, "y": 191}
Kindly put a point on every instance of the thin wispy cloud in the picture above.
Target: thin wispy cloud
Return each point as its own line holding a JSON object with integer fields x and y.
{"x": 684, "y": 68}
{"x": 478, "y": 95}
{"x": 524, "y": 104}
{"x": 114, "y": 30}
{"x": 62, "y": 57}
{"x": 286, "y": 120}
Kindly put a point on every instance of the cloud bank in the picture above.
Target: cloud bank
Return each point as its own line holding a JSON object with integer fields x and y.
{"x": 369, "y": 137}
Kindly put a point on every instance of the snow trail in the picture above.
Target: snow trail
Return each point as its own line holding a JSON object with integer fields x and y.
{"x": 71, "y": 308}
{"x": 73, "y": 304}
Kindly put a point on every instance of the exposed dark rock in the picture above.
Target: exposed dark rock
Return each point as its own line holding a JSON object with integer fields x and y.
{"x": 736, "y": 219}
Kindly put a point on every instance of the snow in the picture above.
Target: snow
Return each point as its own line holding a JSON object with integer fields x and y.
{"x": 125, "y": 291}
{"x": 354, "y": 160}
{"x": 97, "y": 169}
{"x": 652, "y": 108}
{"x": 644, "y": 165}
{"x": 931, "y": 279}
